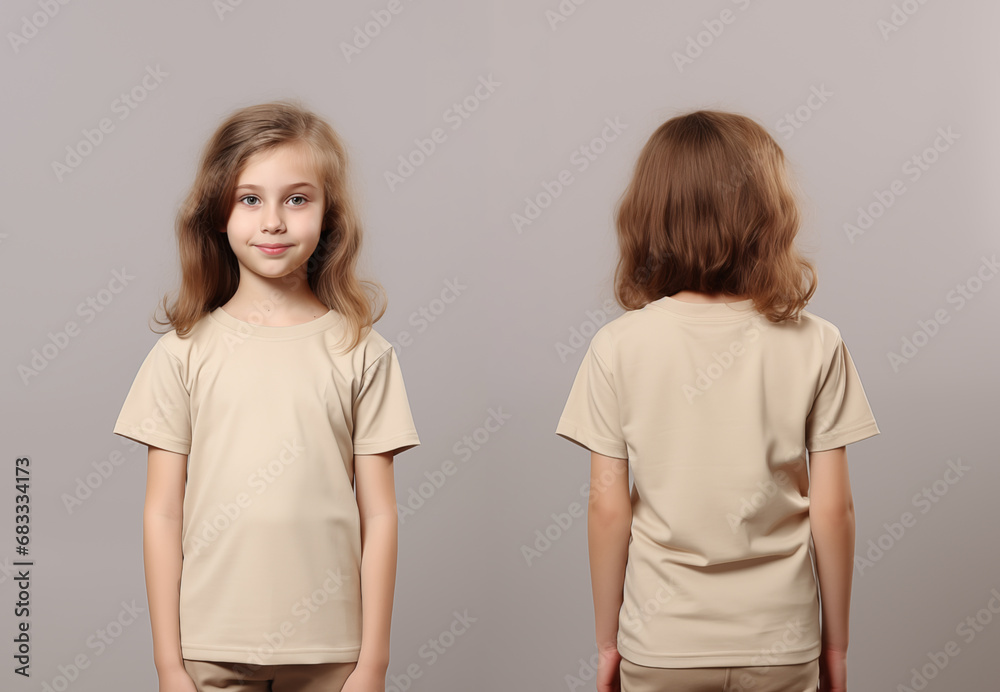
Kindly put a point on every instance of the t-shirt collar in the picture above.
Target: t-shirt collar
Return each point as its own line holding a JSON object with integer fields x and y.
{"x": 295, "y": 331}
{"x": 712, "y": 311}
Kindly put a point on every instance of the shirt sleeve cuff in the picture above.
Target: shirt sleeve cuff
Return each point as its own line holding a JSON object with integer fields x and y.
{"x": 588, "y": 440}
{"x": 841, "y": 438}
{"x": 397, "y": 444}
{"x": 154, "y": 440}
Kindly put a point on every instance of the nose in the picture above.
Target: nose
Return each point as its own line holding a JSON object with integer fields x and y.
{"x": 271, "y": 220}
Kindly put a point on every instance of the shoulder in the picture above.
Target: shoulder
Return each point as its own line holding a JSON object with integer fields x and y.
{"x": 374, "y": 345}
{"x": 370, "y": 349}
{"x": 825, "y": 332}
{"x": 614, "y": 331}
{"x": 622, "y": 326}
{"x": 181, "y": 347}
{"x": 172, "y": 344}
{"x": 633, "y": 324}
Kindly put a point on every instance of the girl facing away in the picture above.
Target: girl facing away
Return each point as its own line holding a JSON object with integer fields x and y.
{"x": 263, "y": 407}
{"x": 732, "y": 405}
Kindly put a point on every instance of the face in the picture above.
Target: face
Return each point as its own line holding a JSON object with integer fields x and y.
{"x": 278, "y": 204}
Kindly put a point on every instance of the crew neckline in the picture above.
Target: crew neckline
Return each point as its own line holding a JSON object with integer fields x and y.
{"x": 709, "y": 311}
{"x": 262, "y": 331}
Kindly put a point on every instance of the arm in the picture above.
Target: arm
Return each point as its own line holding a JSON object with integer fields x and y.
{"x": 376, "y": 494}
{"x": 609, "y": 526}
{"x": 831, "y": 516}
{"x": 161, "y": 541}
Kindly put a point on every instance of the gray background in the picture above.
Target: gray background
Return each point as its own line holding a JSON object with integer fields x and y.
{"x": 496, "y": 345}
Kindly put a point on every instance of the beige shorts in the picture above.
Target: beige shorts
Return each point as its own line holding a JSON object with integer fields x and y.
{"x": 295, "y": 677}
{"x": 802, "y": 677}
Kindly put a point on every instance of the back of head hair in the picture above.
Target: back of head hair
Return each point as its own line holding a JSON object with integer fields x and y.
{"x": 710, "y": 208}
{"x": 209, "y": 268}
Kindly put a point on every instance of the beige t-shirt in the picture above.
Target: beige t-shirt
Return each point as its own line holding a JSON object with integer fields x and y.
{"x": 270, "y": 418}
{"x": 714, "y": 407}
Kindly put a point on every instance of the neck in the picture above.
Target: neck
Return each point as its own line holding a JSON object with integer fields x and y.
{"x": 700, "y": 297}
{"x": 274, "y": 302}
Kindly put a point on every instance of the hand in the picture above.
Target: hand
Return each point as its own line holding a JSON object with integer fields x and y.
{"x": 608, "y": 677}
{"x": 365, "y": 678}
{"x": 176, "y": 679}
{"x": 832, "y": 670}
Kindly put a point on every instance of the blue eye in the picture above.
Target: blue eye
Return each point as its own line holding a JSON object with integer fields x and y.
{"x": 246, "y": 197}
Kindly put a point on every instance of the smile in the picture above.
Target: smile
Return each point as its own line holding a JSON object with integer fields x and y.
{"x": 272, "y": 250}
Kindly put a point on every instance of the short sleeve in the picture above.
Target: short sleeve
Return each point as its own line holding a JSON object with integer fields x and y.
{"x": 157, "y": 410}
{"x": 591, "y": 416}
{"x": 840, "y": 412}
{"x": 382, "y": 418}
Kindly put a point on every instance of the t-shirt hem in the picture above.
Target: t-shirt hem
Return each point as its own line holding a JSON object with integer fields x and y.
{"x": 251, "y": 657}
{"x": 841, "y": 438}
{"x": 728, "y": 659}
{"x": 584, "y": 438}
{"x": 153, "y": 440}
{"x": 397, "y": 444}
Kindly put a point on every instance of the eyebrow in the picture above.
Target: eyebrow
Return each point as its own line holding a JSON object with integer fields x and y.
{"x": 290, "y": 187}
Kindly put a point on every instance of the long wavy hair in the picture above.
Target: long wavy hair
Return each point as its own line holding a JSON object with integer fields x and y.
{"x": 710, "y": 208}
{"x": 209, "y": 269}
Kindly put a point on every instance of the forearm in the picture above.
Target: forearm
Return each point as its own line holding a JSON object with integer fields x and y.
{"x": 379, "y": 538}
{"x": 608, "y": 536}
{"x": 833, "y": 535}
{"x": 162, "y": 558}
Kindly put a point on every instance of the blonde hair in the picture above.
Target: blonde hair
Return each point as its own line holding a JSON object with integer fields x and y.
{"x": 710, "y": 208}
{"x": 209, "y": 268}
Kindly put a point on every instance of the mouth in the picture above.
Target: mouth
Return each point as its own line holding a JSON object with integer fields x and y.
{"x": 272, "y": 248}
